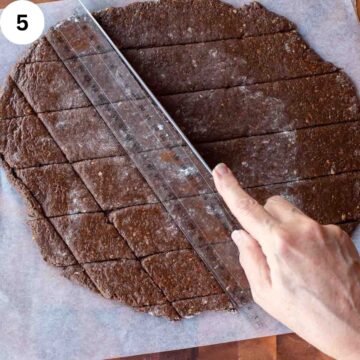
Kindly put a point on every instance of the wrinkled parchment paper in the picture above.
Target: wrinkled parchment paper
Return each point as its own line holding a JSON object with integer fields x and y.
{"x": 44, "y": 316}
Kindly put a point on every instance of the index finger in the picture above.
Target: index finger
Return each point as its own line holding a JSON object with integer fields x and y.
{"x": 250, "y": 214}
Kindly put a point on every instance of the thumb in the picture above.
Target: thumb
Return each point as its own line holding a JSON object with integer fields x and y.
{"x": 252, "y": 260}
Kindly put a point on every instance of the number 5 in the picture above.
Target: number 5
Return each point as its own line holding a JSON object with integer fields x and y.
{"x": 22, "y": 23}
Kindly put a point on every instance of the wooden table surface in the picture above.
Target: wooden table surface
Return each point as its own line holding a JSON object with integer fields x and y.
{"x": 284, "y": 347}
{"x": 357, "y": 7}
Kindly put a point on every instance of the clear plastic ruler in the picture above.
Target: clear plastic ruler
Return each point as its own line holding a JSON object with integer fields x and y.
{"x": 173, "y": 168}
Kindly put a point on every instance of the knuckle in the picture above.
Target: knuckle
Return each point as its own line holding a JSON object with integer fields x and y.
{"x": 312, "y": 229}
{"x": 336, "y": 231}
{"x": 246, "y": 205}
{"x": 282, "y": 234}
{"x": 283, "y": 240}
{"x": 272, "y": 200}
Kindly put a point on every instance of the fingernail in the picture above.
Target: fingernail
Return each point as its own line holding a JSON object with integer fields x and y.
{"x": 221, "y": 169}
{"x": 237, "y": 236}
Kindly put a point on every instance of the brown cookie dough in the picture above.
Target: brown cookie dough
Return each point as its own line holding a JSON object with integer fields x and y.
{"x": 181, "y": 275}
{"x": 264, "y": 108}
{"x": 12, "y": 102}
{"x": 191, "y": 307}
{"x": 58, "y": 189}
{"x": 329, "y": 200}
{"x": 34, "y": 208}
{"x": 24, "y": 142}
{"x": 52, "y": 247}
{"x": 177, "y": 21}
{"x": 125, "y": 280}
{"x": 185, "y": 68}
{"x": 39, "y": 51}
{"x": 139, "y": 225}
{"x": 81, "y": 134}
{"x": 49, "y": 86}
{"x": 165, "y": 310}
{"x": 77, "y": 274}
{"x": 249, "y": 156}
{"x": 91, "y": 238}
{"x": 167, "y": 23}
{"x": 241, "y": 82}
{"x": 115, "y": 182}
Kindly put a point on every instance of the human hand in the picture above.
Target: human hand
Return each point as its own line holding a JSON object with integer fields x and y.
{"x": 302, "y": 273}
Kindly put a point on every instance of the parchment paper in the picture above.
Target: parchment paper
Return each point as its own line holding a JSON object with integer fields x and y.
{"x": 44, "y": 316}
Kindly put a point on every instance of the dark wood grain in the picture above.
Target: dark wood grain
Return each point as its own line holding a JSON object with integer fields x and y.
{"x": 298, "y": 348}
{"x": 3, "y": 3}
{"x": 285, "y": 347}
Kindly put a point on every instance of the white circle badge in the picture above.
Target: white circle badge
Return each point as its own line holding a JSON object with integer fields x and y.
{"x": 22, "y": 22}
